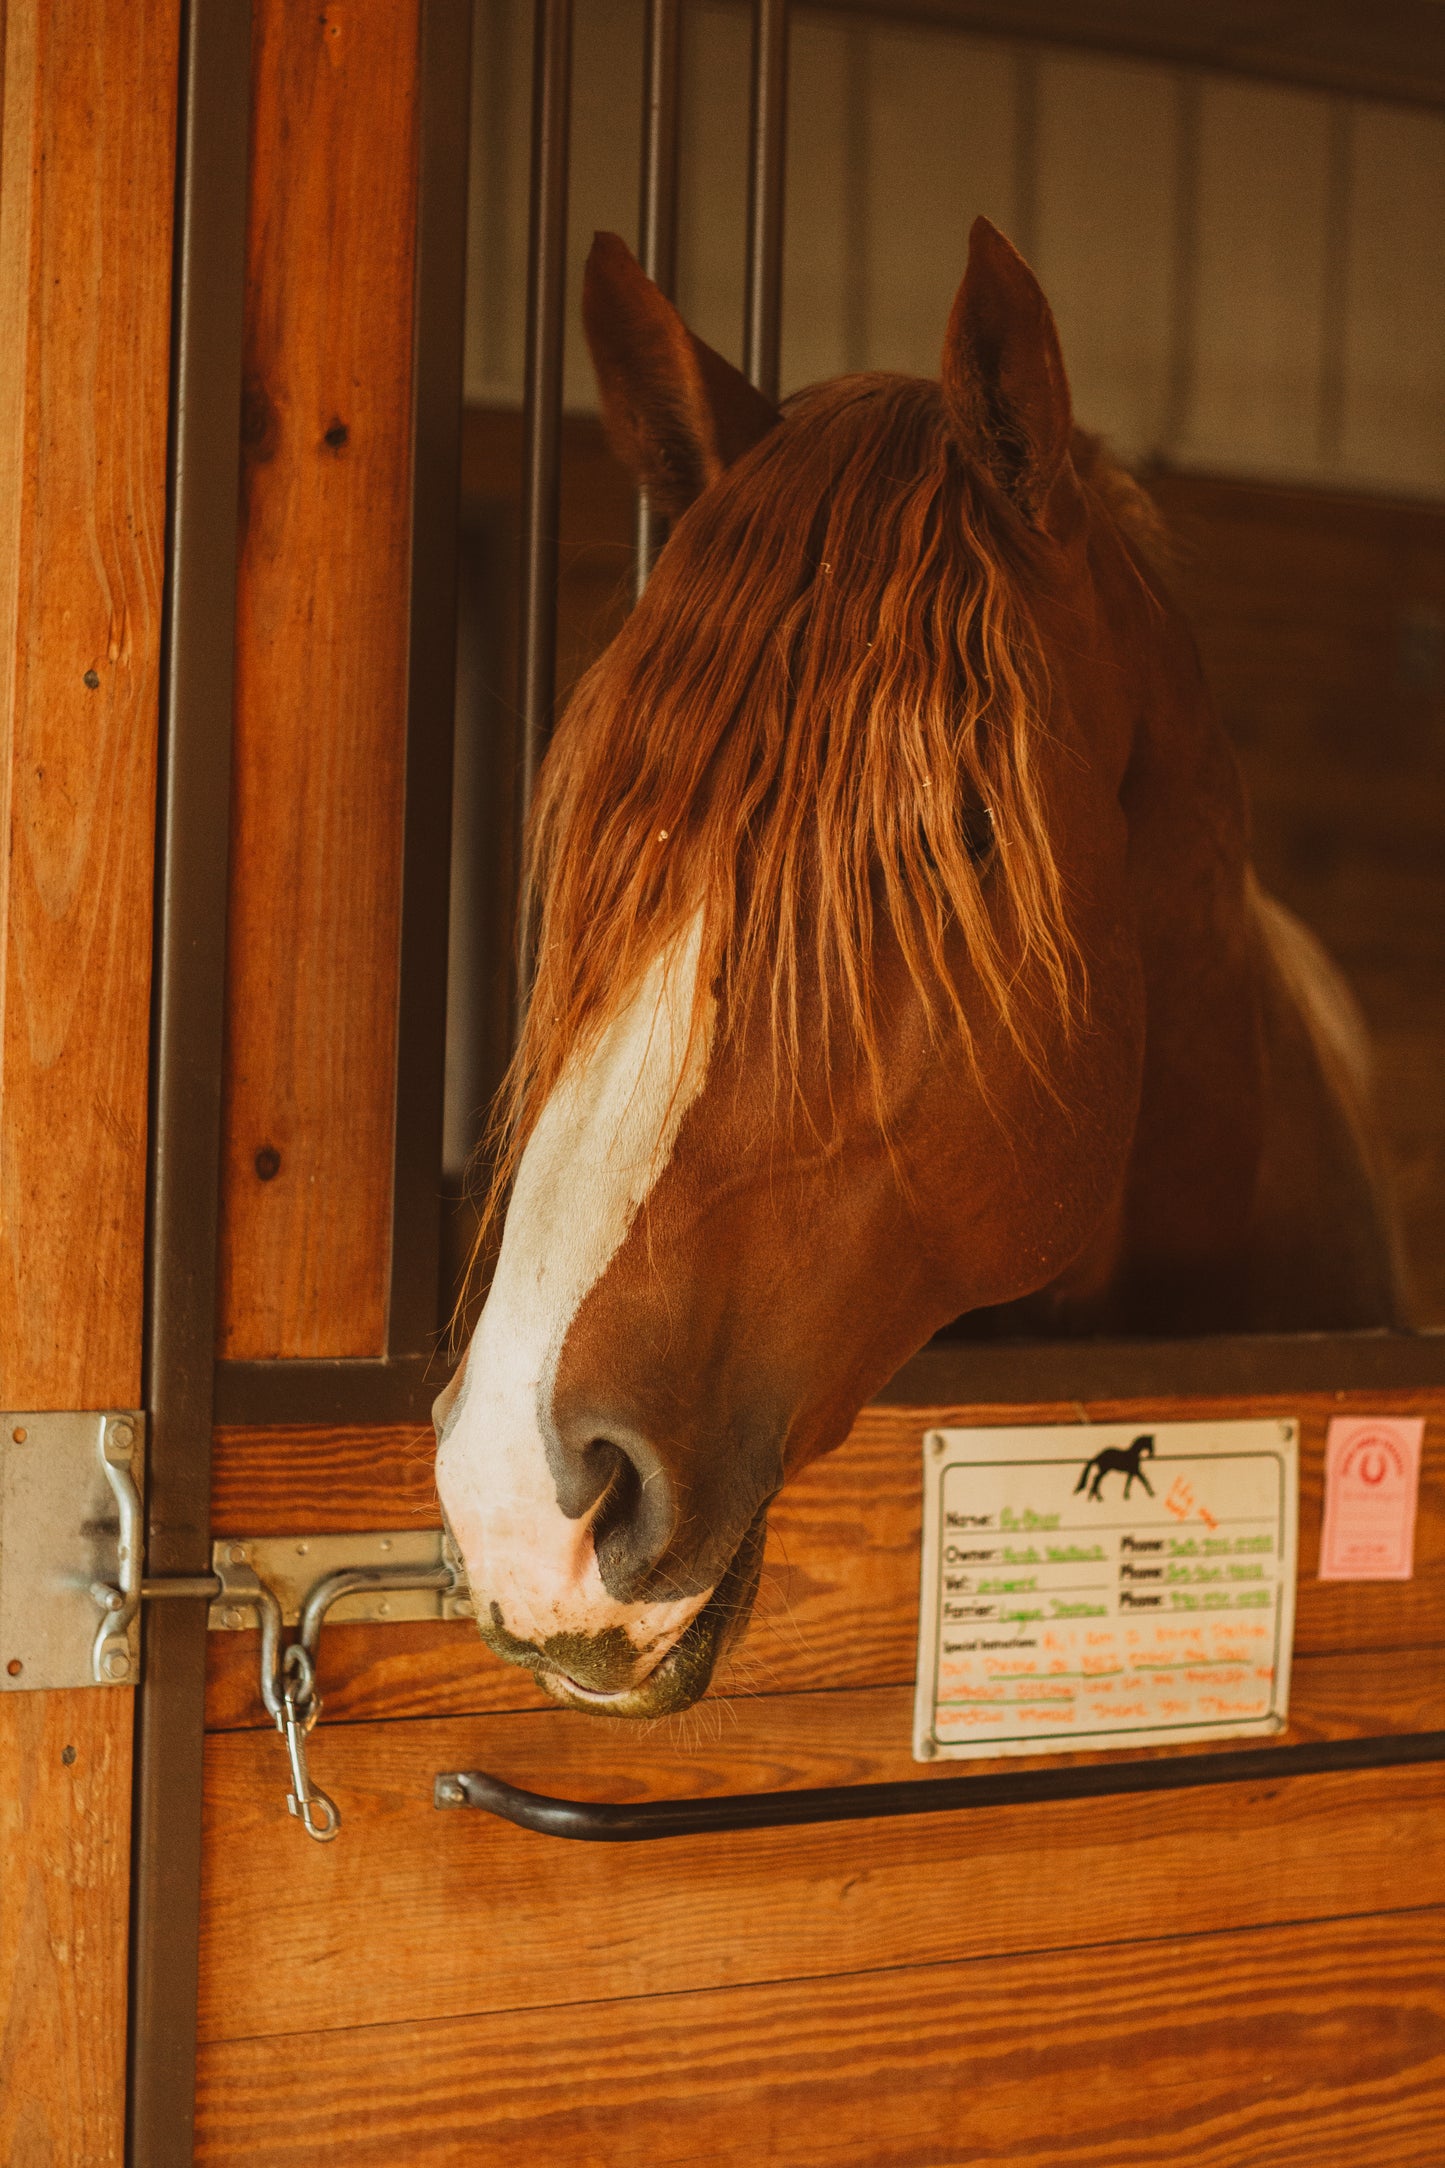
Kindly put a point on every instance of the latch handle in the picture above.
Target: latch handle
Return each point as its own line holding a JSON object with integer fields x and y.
{"x": 110, "y": 1657}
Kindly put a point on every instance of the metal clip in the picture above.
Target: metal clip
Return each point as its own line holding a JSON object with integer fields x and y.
{"x": 318, "y": 1815}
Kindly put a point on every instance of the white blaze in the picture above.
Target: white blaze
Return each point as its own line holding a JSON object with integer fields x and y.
{"x": 599, "y": 1146}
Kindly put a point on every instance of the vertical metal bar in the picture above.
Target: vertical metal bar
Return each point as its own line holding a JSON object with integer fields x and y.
{"x": 542, "y": 416}
{"x": 1330, "y": 434}
{"x": 1026, "y": 152}
{"x": 444, "y": 86}
{"x": 1184, "y": 278}
{"x": 188, "y": 1022}
{"x": 657, "y": 212}
{"x": 767, "y": 167}
{"x": 857, "y": 192}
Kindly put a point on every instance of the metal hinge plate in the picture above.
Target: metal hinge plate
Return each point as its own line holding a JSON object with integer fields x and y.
{"x": 60, "y": 1527}
{"x": 291, "y": 1566}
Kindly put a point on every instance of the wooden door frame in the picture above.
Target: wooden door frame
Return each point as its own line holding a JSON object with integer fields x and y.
{"x": 89, "y": 145}
{"x": 192, "y": 898}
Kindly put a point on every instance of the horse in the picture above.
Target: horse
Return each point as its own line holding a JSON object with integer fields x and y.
{"x": 900, "y": 961}
{"x": 1127, "y": 1461}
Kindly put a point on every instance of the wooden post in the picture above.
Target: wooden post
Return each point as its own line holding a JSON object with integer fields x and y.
{"x": 86, "y": 192}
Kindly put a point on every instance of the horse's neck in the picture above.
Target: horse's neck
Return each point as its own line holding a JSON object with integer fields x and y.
{"x": 1186, "y": 1210}
{"x": 1254, "y": 1198}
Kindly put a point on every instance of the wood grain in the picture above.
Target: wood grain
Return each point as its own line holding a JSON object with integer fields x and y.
{"x": 838, "y": 1606}
{"x": 1321, "y": 2044}
{"x": 321, "y": 664}
{"x": 65, "y": 1847}
{"x": 87, "y": 185}
{"x": 89, "y": 131}
{"x": 525, "y": 1921}
{"x": 372, "y": 1674}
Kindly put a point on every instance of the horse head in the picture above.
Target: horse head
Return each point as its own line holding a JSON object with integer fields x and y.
{"x": 838, "y": 1023}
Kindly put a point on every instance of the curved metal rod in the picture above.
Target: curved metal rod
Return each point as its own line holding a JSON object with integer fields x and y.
{"x": 600, "y": 1822}
{"x": 352, "y": 1580}
{"x": 244, "y": 1590}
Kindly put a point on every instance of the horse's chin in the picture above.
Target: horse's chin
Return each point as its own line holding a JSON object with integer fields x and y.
{"x": 683, "y": 1675}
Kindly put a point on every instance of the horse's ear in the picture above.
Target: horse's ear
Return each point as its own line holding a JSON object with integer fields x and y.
{"x": 676, "y": 413}
{"x": 1003, "y": 374}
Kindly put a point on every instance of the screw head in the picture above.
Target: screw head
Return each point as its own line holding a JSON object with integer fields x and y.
{"x": 15, "y": 1667}
{"x": 116, "y": 1663}
{"x": 236, "y": 1554}
{"x": 449, "y": 1793}
{"x": 232, "y": 1620}
{"x": 20, "y": 1434}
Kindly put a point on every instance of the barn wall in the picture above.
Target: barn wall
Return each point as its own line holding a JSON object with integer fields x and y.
{"x": 1248, "y": 277}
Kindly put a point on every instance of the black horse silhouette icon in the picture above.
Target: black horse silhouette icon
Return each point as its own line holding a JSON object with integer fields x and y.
{"x": 1127, "y": 1460}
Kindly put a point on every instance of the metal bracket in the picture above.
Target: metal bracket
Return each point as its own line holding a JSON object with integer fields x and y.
{"x": 395, "y": 1576}
{"x": 70, "y": 1538}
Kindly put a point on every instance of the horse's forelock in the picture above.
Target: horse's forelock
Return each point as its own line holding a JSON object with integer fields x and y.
{"x": 834, "y": 656}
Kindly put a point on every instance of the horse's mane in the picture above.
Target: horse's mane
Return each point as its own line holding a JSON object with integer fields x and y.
{"x": 833, "y": 661}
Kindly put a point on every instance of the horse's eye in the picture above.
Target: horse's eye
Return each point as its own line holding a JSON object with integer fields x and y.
{"x": 978, "y": 834}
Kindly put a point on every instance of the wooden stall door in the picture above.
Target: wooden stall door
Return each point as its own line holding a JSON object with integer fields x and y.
{"x": 1247, "y": 1973}
{"x": 86, "y": 190}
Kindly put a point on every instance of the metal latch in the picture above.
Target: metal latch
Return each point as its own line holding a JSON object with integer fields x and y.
{"x": 279, "y": 1581}
{"x": 72, "y": 1581}
{"x": 70, "y": 1540}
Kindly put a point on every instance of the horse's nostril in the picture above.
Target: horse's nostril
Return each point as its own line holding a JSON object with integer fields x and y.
{"x": 622, "y": 1497}
{"x": 619, "y": 1478}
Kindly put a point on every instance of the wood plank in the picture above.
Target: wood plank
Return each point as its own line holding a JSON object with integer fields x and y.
{"x": 1295, "y": 2046}
{"x": 84, "y": 365}
{"x": 65, "y": 1767}
{"x": 422, "y": 1913}
{"x": 87, "y": 186}
{"x": 838, "y": 1606}
{"x": 321, "y": 672}
{"x": 370, "y": 1674}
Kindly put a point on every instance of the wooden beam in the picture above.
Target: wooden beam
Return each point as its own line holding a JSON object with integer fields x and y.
{"x": 1395, "y": 50}
{"x": 86, "y": 192}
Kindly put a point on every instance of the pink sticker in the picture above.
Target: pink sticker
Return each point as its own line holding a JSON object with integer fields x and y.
{"x": 1372, "y": 1482}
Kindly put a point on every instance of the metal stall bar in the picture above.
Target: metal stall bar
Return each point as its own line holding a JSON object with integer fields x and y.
{"x": 187, "y": 1032}
{"x": 415, "y": 1300}
{"x": 600, "y": 1822}
{"x": 767, "y": 170}
{"x": 542, "y": 417}
{"x": 657, "y": 213}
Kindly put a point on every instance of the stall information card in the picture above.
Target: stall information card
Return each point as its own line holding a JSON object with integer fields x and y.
{"x": 1105, "y": 1585}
